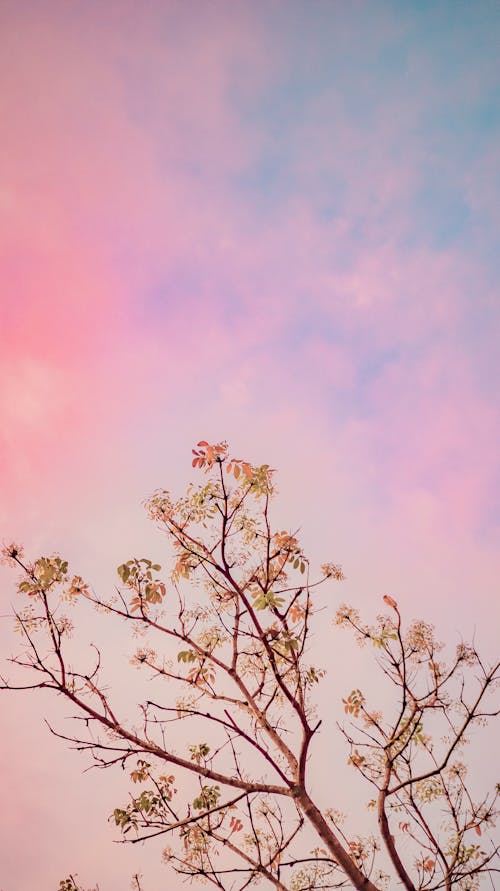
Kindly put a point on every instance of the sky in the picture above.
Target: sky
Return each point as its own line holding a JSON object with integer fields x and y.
{"x": 269, "y": 222}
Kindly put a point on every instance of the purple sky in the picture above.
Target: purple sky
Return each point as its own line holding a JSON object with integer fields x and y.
{"x": 270, "y": 222}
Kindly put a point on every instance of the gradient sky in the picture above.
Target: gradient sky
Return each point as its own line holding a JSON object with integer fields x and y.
{"x": 271, "y": 222}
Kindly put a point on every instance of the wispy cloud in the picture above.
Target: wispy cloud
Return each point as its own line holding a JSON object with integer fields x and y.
{"x": 271, "y": 222}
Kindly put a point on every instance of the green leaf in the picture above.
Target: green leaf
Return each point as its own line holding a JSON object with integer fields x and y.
{"x": 186, "y": 656}
{"x": 124, "y": 572}
{"x": 207, "y": 799}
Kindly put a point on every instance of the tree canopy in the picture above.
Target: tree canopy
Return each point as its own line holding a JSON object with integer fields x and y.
{"x": 219, "y": 760}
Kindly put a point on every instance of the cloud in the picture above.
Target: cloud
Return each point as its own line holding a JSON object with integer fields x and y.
{"x": 265, "y": 225}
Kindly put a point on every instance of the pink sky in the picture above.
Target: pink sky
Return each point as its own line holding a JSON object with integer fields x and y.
{"x": 273, "y": 223}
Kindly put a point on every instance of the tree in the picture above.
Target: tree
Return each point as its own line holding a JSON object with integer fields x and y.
{"x": 71, "y": 884}
{"x": 231, "y": 629}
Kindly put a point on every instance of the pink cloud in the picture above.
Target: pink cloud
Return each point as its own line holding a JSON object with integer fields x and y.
{"x": 152, "y": 300}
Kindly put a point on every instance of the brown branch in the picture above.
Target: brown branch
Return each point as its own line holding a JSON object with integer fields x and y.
{"x": 458, "y": 736}
{"x": 386, "y": 832}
